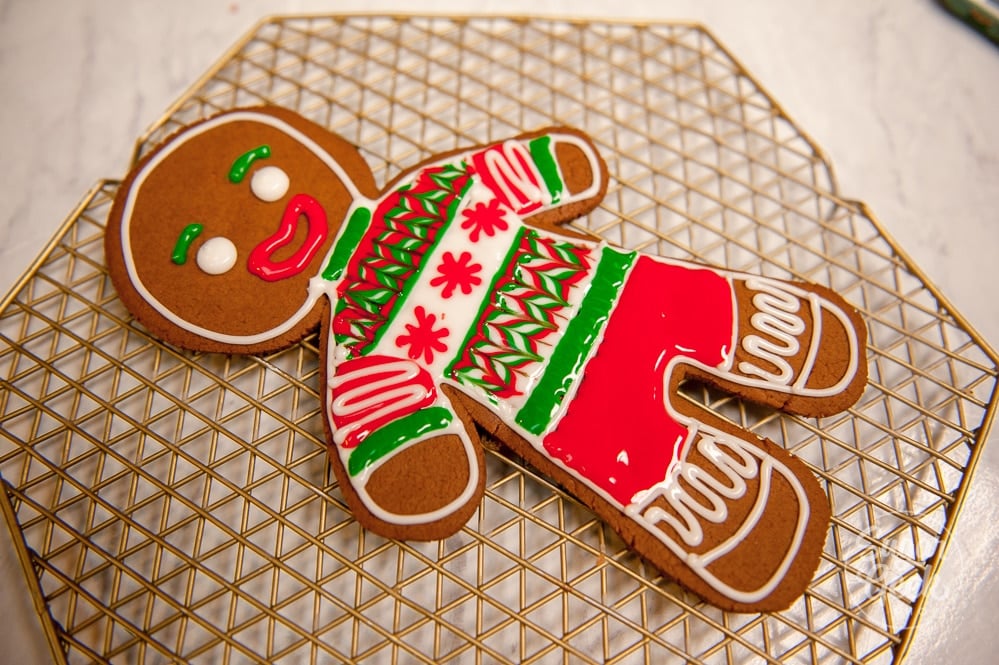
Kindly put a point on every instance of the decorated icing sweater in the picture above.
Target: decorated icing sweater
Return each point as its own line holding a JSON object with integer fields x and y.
{"x": 441, "y": 280}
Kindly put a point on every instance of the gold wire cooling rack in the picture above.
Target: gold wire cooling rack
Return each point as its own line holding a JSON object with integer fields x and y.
{"x": 173, "y": 506}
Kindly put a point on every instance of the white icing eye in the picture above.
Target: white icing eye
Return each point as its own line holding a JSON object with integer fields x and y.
{"x": 217, "y": 256}
{"x": 269, "y": 183}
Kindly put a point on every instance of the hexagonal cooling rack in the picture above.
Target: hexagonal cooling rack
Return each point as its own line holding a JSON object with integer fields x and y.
{"x": 175, "y": 506}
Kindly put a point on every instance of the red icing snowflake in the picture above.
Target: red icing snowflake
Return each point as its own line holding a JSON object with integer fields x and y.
{"x": 423, "y": 339}
{"x": 484, "y": 218}
{"x": 457, "y": 273}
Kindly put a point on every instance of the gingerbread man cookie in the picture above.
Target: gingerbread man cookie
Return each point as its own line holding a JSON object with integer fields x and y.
{"x": 450, "y": 302}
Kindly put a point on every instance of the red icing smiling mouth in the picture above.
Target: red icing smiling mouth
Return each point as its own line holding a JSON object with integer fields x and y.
{"x": 261, "y": 263}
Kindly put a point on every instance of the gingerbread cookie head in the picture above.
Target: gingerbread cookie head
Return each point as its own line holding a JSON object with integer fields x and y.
{"x": 217, "y": 236}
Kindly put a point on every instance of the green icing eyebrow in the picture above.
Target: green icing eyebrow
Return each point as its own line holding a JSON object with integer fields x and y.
{"x": 187, "y": 236}
{"x": 243, "y": 162}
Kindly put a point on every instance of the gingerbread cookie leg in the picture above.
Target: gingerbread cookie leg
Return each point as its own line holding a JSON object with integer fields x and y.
{"x": 737, "y": 520}
{"x": 797, "y": 347}
{"x": 746, "y": 518}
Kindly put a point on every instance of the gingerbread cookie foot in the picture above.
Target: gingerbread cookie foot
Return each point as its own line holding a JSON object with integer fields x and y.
{"x": 738, "y": 516}
{"x": 797, "y": 347}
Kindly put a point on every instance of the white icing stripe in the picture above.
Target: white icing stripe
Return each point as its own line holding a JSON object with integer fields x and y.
{"x": 395, "y": 393}
{"x": 813, "y": 350}
{"x": 315, "y": 290}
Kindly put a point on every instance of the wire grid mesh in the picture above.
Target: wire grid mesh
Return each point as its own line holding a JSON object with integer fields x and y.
{"x": 178, "y": 506}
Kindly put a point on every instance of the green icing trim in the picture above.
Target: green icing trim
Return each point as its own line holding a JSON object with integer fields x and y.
{"x": 545, "y": 161}
{"x": 241, "y": 166}
{"x": 345, "y": 246}
{"x": 569, "y": 356}
{"x": 187, "y": 236}
{"x": 388, "y": 438}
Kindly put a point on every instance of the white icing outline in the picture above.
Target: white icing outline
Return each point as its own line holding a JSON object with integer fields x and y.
{"x": 771, "y": 319}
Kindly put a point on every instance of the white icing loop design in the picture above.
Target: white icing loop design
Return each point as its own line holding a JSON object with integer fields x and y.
{"x": 356, "y": 397}
{"x": 217, "y": 256}
{"x": 511, "y": 169}
{"x": 711, "y": 490}
{"x": 738, "y": 461}
{"x": 778, "y": 318}
{"x": 270, "y": 184}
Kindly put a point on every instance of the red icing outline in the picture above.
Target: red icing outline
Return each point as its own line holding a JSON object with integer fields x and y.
{"x": 260, "y": 262}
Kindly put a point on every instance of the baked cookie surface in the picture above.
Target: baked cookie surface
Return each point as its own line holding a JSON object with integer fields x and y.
{"x": 450, "y": 300}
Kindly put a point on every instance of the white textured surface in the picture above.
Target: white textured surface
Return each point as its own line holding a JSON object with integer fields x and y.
{"x": 901, "y": 96}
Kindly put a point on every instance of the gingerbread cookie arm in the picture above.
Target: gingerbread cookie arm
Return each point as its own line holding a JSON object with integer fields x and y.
{"x": 547, "y": 177}
{"x": 408, "y": 462}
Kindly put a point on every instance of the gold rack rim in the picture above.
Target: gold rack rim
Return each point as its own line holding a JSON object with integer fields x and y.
{"x": 903, "y": 648}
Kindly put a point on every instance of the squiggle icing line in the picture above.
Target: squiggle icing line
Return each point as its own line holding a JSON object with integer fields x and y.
{"x": 737, "y": 465}
{"x": 510, "y": 165}
{"x": 689, "y": 509}
{"x": 784, "y": 292}
{"x": 397, "y": 393}
{"x": 777, "y": 317}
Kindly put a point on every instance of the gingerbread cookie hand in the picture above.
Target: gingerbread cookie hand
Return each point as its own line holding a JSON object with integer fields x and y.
{"x": 451, "y": 298}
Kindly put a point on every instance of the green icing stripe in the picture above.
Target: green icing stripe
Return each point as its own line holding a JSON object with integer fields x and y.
{"x": 388, "y": 438}
{"x": 569, "y": 356}
{"x": 345, "y": 246}
{"x": 489, "y": 299}
{"x": 187, "y": 236}
{"x": 545, "y": 161}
